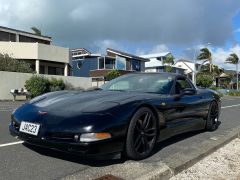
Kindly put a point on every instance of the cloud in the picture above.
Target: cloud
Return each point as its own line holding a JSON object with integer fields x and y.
{"x": 155, "y": 49}
{"x": 101, "y": 46}
{"x": 237, "y": 30}
{"x": 78, "y": 23}
{"x": 220, "y": 55}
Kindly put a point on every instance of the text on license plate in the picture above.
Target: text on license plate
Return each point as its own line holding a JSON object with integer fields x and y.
{"x": 29, "y": 128}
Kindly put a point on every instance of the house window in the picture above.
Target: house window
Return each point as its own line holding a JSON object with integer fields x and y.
{"x": 55, "y": 70}
{"x": 79, "y": 64}
{"x": 106, "y": 63}
{"x": 42, "y": 70}
{"x": 101, "y": 63}
{"x": 4, "y": 36}
{"x": 136, "y": 65}
{"x": 109, "y": 63}
{"x": 120, "y": 63}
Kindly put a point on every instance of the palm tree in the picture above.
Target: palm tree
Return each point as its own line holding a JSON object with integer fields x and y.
{"x": 206, "y": 55}
{"x": 36, "y": 31}
{"x": 233, "y": 59}
{"x": 216, "y": 71}
{"x": 168, "y": 62}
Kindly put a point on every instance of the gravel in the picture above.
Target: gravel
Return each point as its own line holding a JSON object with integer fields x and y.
{"x": 222, "y": 164}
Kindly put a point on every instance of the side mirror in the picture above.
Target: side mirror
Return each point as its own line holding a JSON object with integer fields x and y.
{"x": 189, "y": 91}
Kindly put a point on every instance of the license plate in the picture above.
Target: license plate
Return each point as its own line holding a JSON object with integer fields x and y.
{"x": 29, "y": 128}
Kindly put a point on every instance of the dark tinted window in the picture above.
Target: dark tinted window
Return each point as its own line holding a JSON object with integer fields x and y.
{"x": 181, "y": 84}
{"x": 5, "y": 36}
{"x": 55, "y": 70}
{"x": 136, "y": 65}
{"x": 150, "y": 83}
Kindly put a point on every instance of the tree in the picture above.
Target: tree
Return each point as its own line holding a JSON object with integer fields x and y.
{"x": 207, "y": 56}
{"x": 36, "y": 31}
{"x": 216, "y": 71}
{"x": 234, "y": 59}
{"x": 8, "y": 63}
{"x": 168, "y": 62}
{"x": 204, "y": 80}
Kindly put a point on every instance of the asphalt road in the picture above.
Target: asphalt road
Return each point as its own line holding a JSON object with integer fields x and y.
{"x": 19, "y": 161}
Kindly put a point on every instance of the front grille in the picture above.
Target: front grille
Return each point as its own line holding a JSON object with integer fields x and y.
{"x": 68, "y": 137}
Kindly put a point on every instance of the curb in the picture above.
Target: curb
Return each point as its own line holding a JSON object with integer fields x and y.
{"x": 185, "y": 159}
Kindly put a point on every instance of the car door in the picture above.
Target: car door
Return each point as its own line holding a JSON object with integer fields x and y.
{"x": 184, "y": 112}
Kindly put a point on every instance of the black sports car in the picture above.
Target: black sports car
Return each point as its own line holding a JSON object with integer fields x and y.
{"x": 128, "y": 114}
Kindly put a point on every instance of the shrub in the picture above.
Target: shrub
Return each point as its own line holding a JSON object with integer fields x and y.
{"x": 169, "y": 68}
{"x": 234, "y": 93}
{"x": 112, "y": 75}
{"x": 38, "y": 85}
{"x": 56, "y": 85}
{"x": 7, "y": 63}
{"x": 204, "y": 80}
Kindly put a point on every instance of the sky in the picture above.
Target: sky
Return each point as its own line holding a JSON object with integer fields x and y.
{"x": 135, "y": 26}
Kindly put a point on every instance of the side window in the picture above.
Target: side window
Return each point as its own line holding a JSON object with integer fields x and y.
{"x": 181, "y": 84}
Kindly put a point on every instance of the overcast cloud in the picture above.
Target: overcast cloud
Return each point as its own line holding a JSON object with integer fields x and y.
{"x": 98, "y": 23}
{"x": 160, "y": 21}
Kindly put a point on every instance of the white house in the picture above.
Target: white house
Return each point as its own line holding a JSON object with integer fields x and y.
{"x": 155, "y": 59}
{"x": 36, "y": 50}
{"x": 188, "y": 66}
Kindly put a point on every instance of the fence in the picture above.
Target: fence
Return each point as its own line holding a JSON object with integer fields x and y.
{"x": 13, "y": 80}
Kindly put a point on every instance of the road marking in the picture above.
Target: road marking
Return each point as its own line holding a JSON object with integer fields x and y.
{"x": 230, "y": 106}
{"x": 10, "y": 144}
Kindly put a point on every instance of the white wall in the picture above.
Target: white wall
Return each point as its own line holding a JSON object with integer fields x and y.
{"x": 53, "y": 53}
{"x": 153, "y": 63}
{"x": 21, "y": 50}
{"x": 13, "y": 80}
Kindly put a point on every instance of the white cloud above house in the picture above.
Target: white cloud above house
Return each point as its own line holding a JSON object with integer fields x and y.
{"x": 220, "y": 55}
{"x": 101, "y": 46}
{"x": 160, "y": 48}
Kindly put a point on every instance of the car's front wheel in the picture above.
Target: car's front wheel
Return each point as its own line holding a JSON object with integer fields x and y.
{"x": 142, "y": 134}
{"x": 213, "y": 117}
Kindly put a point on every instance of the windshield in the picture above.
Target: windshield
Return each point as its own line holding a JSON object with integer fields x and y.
{"x": 150, "y": 83}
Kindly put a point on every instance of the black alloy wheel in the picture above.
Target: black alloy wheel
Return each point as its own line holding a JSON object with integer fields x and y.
{"x": 142, "y": 134}
{"x": 213, "y": 117}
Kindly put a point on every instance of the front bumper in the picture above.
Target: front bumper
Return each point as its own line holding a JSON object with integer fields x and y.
{"x": 108, "y": 146}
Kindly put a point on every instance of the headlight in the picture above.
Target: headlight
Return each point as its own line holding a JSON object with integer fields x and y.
{"x": 91, "y": 137}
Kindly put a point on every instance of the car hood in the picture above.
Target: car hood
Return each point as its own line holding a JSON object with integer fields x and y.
{"x": 89, "y": 101}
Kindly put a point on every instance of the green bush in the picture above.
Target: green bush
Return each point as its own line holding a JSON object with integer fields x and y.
{"x": 234, "y": 93}
{"x": 204, "y": 80}
{"x": 38, "y": 85}
{"x": 169, "y": 68}
{"x": 112, "y": 75}
{"x": 7, "y": 63}
{"x": 56, "y": 85}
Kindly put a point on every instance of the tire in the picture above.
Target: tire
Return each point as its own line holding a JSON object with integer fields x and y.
{"x": 141, "y": 135}
{"x": 213, "y": 117}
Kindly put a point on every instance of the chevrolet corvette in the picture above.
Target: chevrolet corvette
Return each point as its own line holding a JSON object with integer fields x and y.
{"x": 127, "y": 115}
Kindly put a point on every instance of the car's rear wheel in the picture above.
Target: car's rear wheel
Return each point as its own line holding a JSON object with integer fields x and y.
{"x": 142, "y": 134}
{"x": 213, "y": 117}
